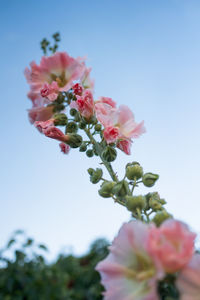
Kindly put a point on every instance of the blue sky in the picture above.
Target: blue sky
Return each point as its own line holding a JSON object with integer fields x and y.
{"x": 145, "y": 54}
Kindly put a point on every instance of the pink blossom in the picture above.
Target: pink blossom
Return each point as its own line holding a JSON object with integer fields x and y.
{"x": 55, "y": 133}
{"x": 125, "y": 146}
{"x": 86, "y": 81}
{"x": 121, "y": 118}
{"x": 84, "y": 104}
{"x": 188, "y": 282}
{"x": 59, "y": 68}
{"x": 111, "y": 134}
{"x": 42, "y": 125}
{"x": 64, "y": 148}
{"x": 50, "y": 91}
{"x": 40, "y": 113}
{"x": 172, "y": 244}
{"x": 129, "y": 272}
{"x": 78, "y": 89}
{"x": 107, "y": 100}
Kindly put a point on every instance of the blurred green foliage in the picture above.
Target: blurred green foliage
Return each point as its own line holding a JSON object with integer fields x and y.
{"x": 25, "y": 274}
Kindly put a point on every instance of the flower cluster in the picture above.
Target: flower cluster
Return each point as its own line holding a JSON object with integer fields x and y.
{"x": 153, "y": 256}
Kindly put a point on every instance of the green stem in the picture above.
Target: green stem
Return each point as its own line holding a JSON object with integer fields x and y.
{"x": 99, "y": 151}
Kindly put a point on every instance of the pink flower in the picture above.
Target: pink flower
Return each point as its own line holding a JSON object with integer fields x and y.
{"x": 188, "y": 282}
{"x": 111, "y": 134}
{"x": 40, "y": 113}
{"x": 55, "y": 133}
{"x": 59, "y": 68}
{"x": 84, "y": 104}
{"x": 125, "y": 146}
{"x": 129, "y": 272}
{"x": 86, "y": 81}
{"x": 121, "y": 118}
{"x": 78, "y": 89}
{"x": 42, "y": 125}
{"x": 50, "y": 91}
{"x": 64, "y": 148}
{"x": 172, "y": 244}
{"x": 106, "y": 100}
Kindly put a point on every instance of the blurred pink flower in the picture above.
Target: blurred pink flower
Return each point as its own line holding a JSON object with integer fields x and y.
{"x": 188, "y": 282}
{"x": 55, "y": 133}
{"x": 50, "y": 91}
{"x": 59, "y": 68}
{"x": 111, "y": 134}
{"x": 64, "y": 148}
{"x": 105, "y": 100}
{"x": 129, "y": 272}
{"x": 86, "y": 81}
{"x": 84, "y": 104}
{"x": 172, "y": 244}
{"x": 40, "y": 113}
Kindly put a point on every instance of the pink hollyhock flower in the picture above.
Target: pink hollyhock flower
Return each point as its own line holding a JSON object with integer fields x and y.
{"x": 40, "y": 113}
{"x": 129, "y": 272}
{"x": 84, "y": 104}
{"x": 188, "y": 282}
{"x": 125, "y": 146}
{"x": 55, "y": 133}
{"x": 59, "y": 68}
{"x": 121, "y": 118}
{"x": 50, "y": 91}
{"x": 42, "y": 125}
{"x": 64, "y": 148}
{"x": 111, "y": 134}
{"x": 86, "y": 81}
{"x": 172, "y": 244}
{"x": 78, "y": 89}
{"x": 105, "y": 100}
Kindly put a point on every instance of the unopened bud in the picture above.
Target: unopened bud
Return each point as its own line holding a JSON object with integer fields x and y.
{"x": 97, "y": 127}
{"x": 96, "y": 175}
{"x": 90, "y": 153}
{"x": 121, "y": 189}
{"x": 106, "y": 189}
{"x": 60, "y": 119}
{"x": 149, "y": 179}
{"x": 82, "y": 125}
{"x": 75, "y": 140}
{"x": 134, "y": 171}
{"x": 161, "y": 216}
{"x": 83, "y": 147}
{"x": 109, "y": 154}
{"x": 133, "y": 202}
{"x": 73, "y": 112}
{"x": 71, "y": 127}
{"x": 90, "y": 171}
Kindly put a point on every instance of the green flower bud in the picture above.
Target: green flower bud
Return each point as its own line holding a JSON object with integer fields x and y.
{"x": 90, "y": 153}
{"x": 73, "y": 112}
{"x": 98, "y": 127}
{"x": 96, "y": 175}
{"x": 83, "y": 147}
{"x": 106, "y": 189}
{"x": 77, "y": 117}
{"x": 92, "y": 120}
{"x": 60, "y": 98}
{"x": 71, "y": 127}
{"x": 60, "y": 119}
{"x": 133, "y": 202}
{"x": 149, "y": 179}
{"x": 90, "y": 171}
{"x": 134, "y": 172}
{"x": 121, "y": 189}
{"x": 155, "y": 205}
{"x": 160, "y": 217}
{"x": 75, "y": 140}
{"x": 109, "y": 154}
{"x": 82, "y": 125}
